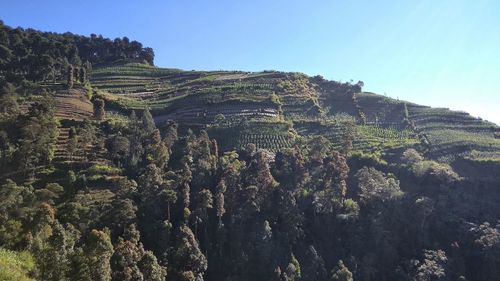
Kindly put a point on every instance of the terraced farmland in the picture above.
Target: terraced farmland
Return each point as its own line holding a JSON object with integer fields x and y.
{"x": 372, "y": 138}
{"x": 69, "y": 105}
{"x": 196, "y": 98}
{"x": 454, "y": 134}
{"x": 271, "y": 136}
{"x": 310, "y": 105}
{"x": 73, "y": 105}
{"x": 159, "y": 87}
{"x": 381, "y": 110}
{"x": 88, "y": 155}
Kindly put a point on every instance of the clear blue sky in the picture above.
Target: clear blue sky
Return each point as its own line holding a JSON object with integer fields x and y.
{"x": 433, "y": 52}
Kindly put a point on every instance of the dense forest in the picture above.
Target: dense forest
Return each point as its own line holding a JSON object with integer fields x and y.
{"x": 137, "y": 199}
{"x": 27, "y": 54}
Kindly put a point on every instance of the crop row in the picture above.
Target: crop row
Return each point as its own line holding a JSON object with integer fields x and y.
{"x": 270, "y": 142}
{"x": 384, "y": 133}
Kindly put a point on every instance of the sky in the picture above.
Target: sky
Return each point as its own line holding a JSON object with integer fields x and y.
{"x": 442, "y": 53}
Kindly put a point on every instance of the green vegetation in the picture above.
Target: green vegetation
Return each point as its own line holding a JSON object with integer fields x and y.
{"x": 265, "y": 135}
{"x": 114, "y": 169}
{"x": 455, "y": 134}
{"x": 15, "y": 266}
{"x": 381, "y": 139}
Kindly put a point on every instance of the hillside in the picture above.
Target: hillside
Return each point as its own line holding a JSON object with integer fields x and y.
{"x": 272, "y": 109}
{"x": 114, "y": 169}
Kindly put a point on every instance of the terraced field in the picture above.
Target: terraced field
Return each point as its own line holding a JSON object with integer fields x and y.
{"x": 270, "y": 136}
{"x": 367, "y": 138}
{"x": 378, "y": 139}
{"x": 160, "y": 88}
{"x": 69, "y": 105}
{"x": 73, "y": 105}
{"x": 454, "y": 134}
{"x": 90, "y": 155}
{"x": 244, "y": 107}
{"x": 381, "y": 110}
{"x": 197, "y": 98}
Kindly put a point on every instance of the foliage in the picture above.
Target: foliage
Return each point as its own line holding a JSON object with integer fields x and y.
{"x": 266, "y": 175}
{"x": 374, "y": 186}
{"x": 15, "y": 266}
{"x": 46, "y": 56}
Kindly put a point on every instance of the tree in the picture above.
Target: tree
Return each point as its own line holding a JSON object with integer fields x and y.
{"x": 374, "y": 186}
{"x": 157, "y": 151}
{"x": 170, "y": 197}
{"x": 88, "y": 69}
{"x": 204, "y": 201}
{"x": 126, "y": 256}
{"x": 121, "y": 213}
{"x": 186, "y": 199}
{"x": 150, "y": 268}
{"x": 39, "y": 131}
{"x": 259, "y": 172}
{"x": 422, "y": 209}
{"x": 54, "y": 259}
{"x": 16, "y": 266}
{"x": 432, "y": 267}
{"x": 292, "y": 271}
{"x": 120, "y": 148}
{"x": 72, "y": 143}
{"x": 341, "y": 273}
{"x": 8, "y": 100}
{"x": 148, "y": 123}
{"x": 348, "y": 134}
{"x": 99, "y": 112}
{"x": 83, "y": 75}
{"x": 314, "y": 268}
{"x": 136, "y": 141}
{"x": 411, "y": 156}
{"x": 98, "y": 250}
{"x": 70, "y": 182}
{"x": 86, "y": 135}
{"x": 69, "y": 76}
{"x": 187, "y": 259}
{"x": 486, "y": 242}
{"x": 337, "y": 171}
{"x": 5, "y": 56}
{"x": 79, "y": 266}
{"x": 219, "y": 200}
{"x": 76, "y": 73}
{"x": 148, "y": 55}
{"x": 171, "y": 135}
{"x": 12, "y": 197}
{"x": 150, "y": 182}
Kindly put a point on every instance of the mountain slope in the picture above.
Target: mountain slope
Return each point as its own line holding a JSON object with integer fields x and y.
{"x": 350, "y": 184}
{"x": 273, "y": 109}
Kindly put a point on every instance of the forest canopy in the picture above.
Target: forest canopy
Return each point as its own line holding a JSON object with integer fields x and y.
{"x": 45, "y": 56}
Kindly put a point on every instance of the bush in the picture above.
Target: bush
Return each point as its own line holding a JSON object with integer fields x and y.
{"x": 411, "y": 156}
{"x": 103, "y": 170}
{"x": 441, "y": 171}
{"x": 15, "y": 266}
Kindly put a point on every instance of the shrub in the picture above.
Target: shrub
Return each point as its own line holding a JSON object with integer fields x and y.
{"x": 441, "y": 171}
{"x": 411, "y": 156}
{"x": 15, "y": 266}
{"x": 103, "y": 170}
